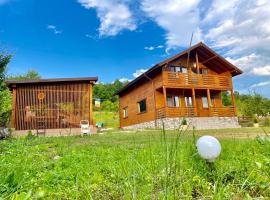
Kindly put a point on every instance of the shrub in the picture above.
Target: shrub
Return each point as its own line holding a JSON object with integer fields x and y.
{"x": 266, "y": 121}
{"x": 184, "y": 121}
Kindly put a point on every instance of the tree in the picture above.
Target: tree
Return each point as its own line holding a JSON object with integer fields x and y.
{"x": 29, "y": 75}
{"x": 5, "y": 95}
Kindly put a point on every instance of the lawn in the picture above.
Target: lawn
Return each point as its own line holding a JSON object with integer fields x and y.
{"x": 109, "y": 119}
{"x": 134, "y": 165}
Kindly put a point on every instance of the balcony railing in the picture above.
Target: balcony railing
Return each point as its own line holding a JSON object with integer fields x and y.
{"x": 176, "y": 79}
{"x": 192, "y": 112}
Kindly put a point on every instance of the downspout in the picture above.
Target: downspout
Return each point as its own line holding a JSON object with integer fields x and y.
{"x": 155, "y": 103}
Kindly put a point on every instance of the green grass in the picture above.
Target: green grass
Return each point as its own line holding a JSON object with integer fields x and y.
{"x": 110, "y": 119}
{"x": 133, "y": 165}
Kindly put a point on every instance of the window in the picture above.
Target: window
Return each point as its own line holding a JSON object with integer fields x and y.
{"x": 205, "y": 102}
{"x": 125, "y": 112}
{"x": 188, "y": 101}
{"x": 173, "y": 101}
{"x": 184, "y": 70}
{"x": 142, "y": 106}
{"x": 176, "y": 68}
{"x": 204, "y": 71}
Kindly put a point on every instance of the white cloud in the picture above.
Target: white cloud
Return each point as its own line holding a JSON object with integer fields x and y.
{"x": 54, "y": 29}
{"x": 151, "y": 48}
{"x": 139, "y": 72}
{"x": 123, "y": 80}
{"x": 260, "y": 84}
{"x": 244, "y": 29}
{"x": 262, "y": 71}
{"x": 179, "y": 18}
{"x": 114, "y": 15}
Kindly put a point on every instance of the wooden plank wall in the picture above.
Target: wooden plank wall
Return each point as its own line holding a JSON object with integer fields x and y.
{"x": 63, "y": 106}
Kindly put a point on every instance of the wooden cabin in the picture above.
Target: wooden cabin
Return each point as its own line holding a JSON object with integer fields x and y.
{"x": 51, "y": 103}
{"x": 188, "y": 85}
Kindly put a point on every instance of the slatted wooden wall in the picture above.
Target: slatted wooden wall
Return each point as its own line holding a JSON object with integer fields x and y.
{"x": 63, "y": 105}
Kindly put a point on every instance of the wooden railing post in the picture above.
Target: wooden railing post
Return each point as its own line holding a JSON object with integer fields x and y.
{"x": 194, "y": 101}
{"x": 209, "y": 102}
{"x": 165, "y": 99}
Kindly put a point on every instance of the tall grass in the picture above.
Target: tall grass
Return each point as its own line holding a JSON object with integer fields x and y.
{"x": 140, "y": 165}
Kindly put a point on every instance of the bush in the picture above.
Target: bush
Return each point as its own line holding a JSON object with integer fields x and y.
{"x": 266, "y": 121}
{"x": 184, "y": 121}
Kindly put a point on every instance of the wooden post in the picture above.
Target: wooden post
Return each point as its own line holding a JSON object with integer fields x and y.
{"x": 14, "y": 94}
{"x": 233, "y": 102}
{"x": 209, "y": 101}
{"x": 197, "y": 63}
{"x": 91, "y": 103}
{"x": 165, "y": 96}
{"x": 194, "y": 101}
{"x": 120, "y": 112}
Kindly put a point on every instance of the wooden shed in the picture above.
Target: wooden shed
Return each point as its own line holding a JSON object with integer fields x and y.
{"x": 51, "y": 103}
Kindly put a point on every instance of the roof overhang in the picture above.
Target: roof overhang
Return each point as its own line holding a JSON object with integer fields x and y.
{"x": 56, "y": 80}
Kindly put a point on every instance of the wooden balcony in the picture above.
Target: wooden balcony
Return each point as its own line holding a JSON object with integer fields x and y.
{"x": 176, "y": 79}
{"x": 192, "y": 112}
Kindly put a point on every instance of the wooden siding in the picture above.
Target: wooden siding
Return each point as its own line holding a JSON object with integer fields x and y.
{"x": 130, "y": 100}
{"x": 63, "y": 105}
{"x": 190, "y": 84}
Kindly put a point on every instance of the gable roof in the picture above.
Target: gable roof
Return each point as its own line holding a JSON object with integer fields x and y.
{"x": 55, "y": 80}
{"x": 205, "y": 54}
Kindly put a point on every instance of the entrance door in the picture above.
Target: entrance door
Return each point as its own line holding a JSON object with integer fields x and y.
{"x": 202, "y": 106}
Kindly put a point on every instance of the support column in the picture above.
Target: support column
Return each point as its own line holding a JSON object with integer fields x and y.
{"x": 209, "y": 102}
{"x": 91, "y": 103}
{"x": 14, "y": 97}
{"x": 233, "y": 102}
{"x": 165, "y": 96}
{"x": 197, "y": 63}
{"x": 194, "y": 101}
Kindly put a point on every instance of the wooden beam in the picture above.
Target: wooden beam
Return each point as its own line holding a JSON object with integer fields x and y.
{"x": 209, "y": 101}
{"x": 91, "y": 104}
{"x": 197, "y": 63}
{"x": 209, "y": 59}
{"x": 233, "y": 102}
{"x": 14, "y": 97}
{"x": 194, "y": 101}
{"x": 165, "y": 96}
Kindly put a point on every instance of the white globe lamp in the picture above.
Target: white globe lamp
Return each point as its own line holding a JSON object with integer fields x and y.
{"x": 209, "y": 148}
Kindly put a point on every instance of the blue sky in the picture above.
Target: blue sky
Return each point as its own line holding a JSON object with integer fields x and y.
{"x": 117, "y": 38}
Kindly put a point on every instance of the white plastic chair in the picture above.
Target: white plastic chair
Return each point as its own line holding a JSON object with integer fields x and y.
{"x": 85, "y": 127}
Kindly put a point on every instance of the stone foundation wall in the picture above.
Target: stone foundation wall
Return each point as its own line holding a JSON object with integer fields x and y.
{"x": 199, "y": 123}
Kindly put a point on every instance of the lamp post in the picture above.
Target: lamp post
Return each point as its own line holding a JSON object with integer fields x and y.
{"x": 209, "y": 148}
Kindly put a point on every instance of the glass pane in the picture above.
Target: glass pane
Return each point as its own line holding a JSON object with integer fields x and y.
{"x": 205, "y": 102}
{"x": 184, "y": 70}
{"x": 204, "y": 71}
{"x": 188, "y": 101}
{"x": 177, "y": 69}
{"x": 176, "y": 101}
{"x": 142, "y": 106}
{"x": 169, "y": 101}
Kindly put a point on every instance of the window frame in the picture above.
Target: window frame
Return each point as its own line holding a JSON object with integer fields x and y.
{"x": 139, "y": 108}
{"x": 203, "y": 105}
{"x": 125, "y": 112}
{"x": 173, "y": 98}
{"x": 186, "y": 102}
